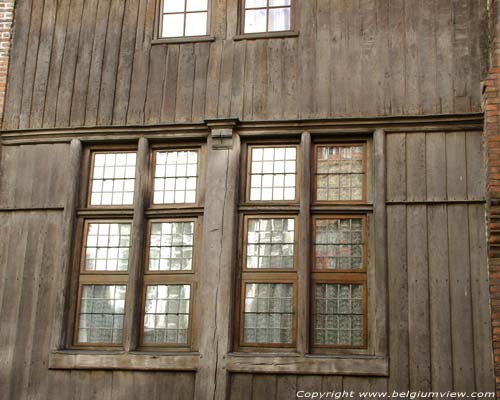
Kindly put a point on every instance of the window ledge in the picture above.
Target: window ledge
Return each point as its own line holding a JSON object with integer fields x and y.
{"x": 184, "y": 39}
{"x": 310, "y": 364}
{"x": 266, "y": 35}
{"x": 110, "y": 360}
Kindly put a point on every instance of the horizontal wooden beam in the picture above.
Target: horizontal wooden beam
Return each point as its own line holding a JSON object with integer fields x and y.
{"x": 308, "y": 365}
{"x": 436, "y": 202}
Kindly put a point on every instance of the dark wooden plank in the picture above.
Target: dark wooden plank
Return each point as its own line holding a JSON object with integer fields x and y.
{"x": 59, "y": 385}
{"x": 398, "y": 298}
{"x": 202, "y": 52}
{"x": 369, "y": 71}
{"x": 185, "y": 83}
{"x": 154, "y": 94}
{"x": 397, "y": 56}
{"x": 226, "y": 77}
{"x": 460, "y": 297}
{"x": 356, "y": 386}
{"x": 82, "y": 73}
{"x": 416, "y": 174}
{"x": 170, "y": 84}
{"x": 338, "y": 26}
{"x": 427, "y": 65}
{"x": 311, "y": 383}
{"x": 81, "y": 384}
{"x": 259, "y": 96}
{"x": 396, "y": 167}
{"x": 322, "y": 85}
{"x": 286, "y": 387}
{"x": 444, "y": 57}
{"x": 439, "y": 292}
{"x": 456, "y": 166}
{"x": 264, "y": 387}
{"x": 306, "y": 68}
{"x": 241, "y": 386}
{"x": 412, "y": 98}
{"x": 435, "y": 168}
{"x": 475, "y": 165}
{"x": 461, "y": 56}
{"x": 175, "y": 386}
{"x": 249, "y": 80}
{"x": 418, "y": 299}
{"x": 354, "y": 93}
{"x": 274, "y": 78}
{"x": 213, "y": 80}
{"x": 289, "y": 66}
{"x": 483, "y": 362}
{"x": 237, "y": 87}
{"x": 331, "y": 384}
{"x": 218, "y": 19}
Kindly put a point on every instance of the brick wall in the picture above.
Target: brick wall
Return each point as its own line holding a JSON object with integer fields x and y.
{"x": 6, "y": 16}
{"x": 491, "y": 103}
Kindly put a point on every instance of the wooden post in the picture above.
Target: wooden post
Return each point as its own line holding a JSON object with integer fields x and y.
{"x": 304, "y": 247}
{"x": 218, "y": 262}
{"x": 133, "y": 300}
{"x": 380, "y": 229}
{"x": 60, "y": 320}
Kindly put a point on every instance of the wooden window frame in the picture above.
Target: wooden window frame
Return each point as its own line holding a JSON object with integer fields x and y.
{"x": 265, "y": 34}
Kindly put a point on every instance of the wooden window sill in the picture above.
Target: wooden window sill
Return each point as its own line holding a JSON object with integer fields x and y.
{"x": 309, "y": 364}
{"x": 119, "y": 360}
{"x": 266, "y": 35}
{"x": 184, "y": 39}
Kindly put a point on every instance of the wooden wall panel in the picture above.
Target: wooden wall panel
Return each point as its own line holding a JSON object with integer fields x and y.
{"x": 89, "y": 63}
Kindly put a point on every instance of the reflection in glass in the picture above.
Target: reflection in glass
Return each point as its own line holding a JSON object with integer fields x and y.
{"x": 107, "y": 247}
{"x": 171, "y": 246}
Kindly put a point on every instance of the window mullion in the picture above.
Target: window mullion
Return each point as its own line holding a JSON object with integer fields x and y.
{"x": 304, "y": 247}
{"x": 135, "y": 277}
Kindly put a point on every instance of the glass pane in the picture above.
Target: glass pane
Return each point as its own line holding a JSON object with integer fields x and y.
{"x": 196, "y": 24}
{"x": 176, "y": 177}
{"x": 273, "y": 173}
{"x": 101, "y": 314}
{"x": 107, "y": 247}
{"x": 338, "y": 244}
{"x": 338, "y": 314}
{"x": 171, "y": 246}
{"x": 255, "y": 3}
{"x": 268, "y": 313}
{"x": 113, "y": 178}
{"x": 197, "y": 5}
{"x": 255, "y": 21}
{"x": 166, "y": 314}
{"x": 340, "y": 173}
{"x": 173, "y": 6}
{"x": 173, "y": 25}
{"x": 270, "y": 243}
{"x": 276, "y": 3}
{"x": 279, "y": 19}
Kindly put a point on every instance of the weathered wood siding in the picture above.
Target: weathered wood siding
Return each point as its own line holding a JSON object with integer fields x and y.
{"x": 77, "y": 62}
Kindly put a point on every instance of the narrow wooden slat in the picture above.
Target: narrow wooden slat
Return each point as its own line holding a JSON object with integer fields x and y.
{"x": 475, "y": 165}
{"x": 356, "y": 386}
{"x": 170, "y": 84}
{"x": 238, "y": 78}
{"x": 249, "y": 81}
{"x": 311, "y": 383}
{"x": 274, "y": 78}
{"x": 264, "y": 387}
{"x": 289, "y": 66}
{"x": 435, "y": 168}
{"x": 202, "y": 52}
{"x": 456, "y": 166}
{"x": 444, "y": 57}
{"x": 412, "y": 94}
{"x": 322, "y": 86}
{"x": 338, "y": 38}
{"x": 427, "y": 65}
{"x": 81, "y": 384}
{"x": 185, "y": 84}
{"x": 396, "y": 167}
{"x": 416, "y": 174}
{"x": 226, "y": 77}
{"x": 306, "y": 68}
{"x": 461, "y": 56}
{"x": 286, "y": 387}
{"x": 241, "y": 386}
{"x": 368, "y": 70}
{"x": 154, "y": 94}
{"x": 213, "y": 79}
{"x": 259, "y": 97}
{"x": 397, "y": 56}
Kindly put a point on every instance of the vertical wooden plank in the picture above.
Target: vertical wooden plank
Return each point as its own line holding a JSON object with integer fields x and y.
{"x": 170, "y": 84}
{"x": 461, "y": 56}
{"x": 322, "y": 85}
{"x": 435, "y": 168}
{"x": 418, "y": 299}
{"x": 18, "y": 54}
{"x": 439, "y": 292}
{"x": 125, "y": 61}
{"x": 218, "y": 19}
{"x": 396, "y": 167}
{"x": 185, "y": 84}
{"x": 94, "y": 83}
{"x": 354, "y": 93}
{"x": 309, "y": 383}
{"x": 83, "y": 65}
{"x": 415, "y": 156}
{"x": 274, "y": 79}
{"x": 259, "y": 97}
{"x": 481, "y": 317}
{"x": 59, "y": 385}
{"x": 475, "y": 166}
{"x": 289, "y": 66}
{"x": 397, "y": 56}
{"x": 356, "y": 385}
{"x": 444, "y": 57}
{"x": 249, "y": 81}
{"x": 286, "y": 387}
{"x": 202, "y": 52}
{"x": 369, "y": 69}
{"x": 383, "y": 65}
{"x": 427, "y": 65}
{"x": 68, "y": 66}
{"x": 456, "y": 166}
{"x": 226, "y": 76}
{"x": 460, "y": 295}
{"x": 264, "y": 387}
{"x": 154, "y": 93}
{"x": 101, "y": 385}
{"x": 398, "y": 297}
{"x": 213, "y": 80}
{"x": 81, "y": 384}
{"x": 338, "y": 27}
{"x": 411, "y": 95}
{"x": 307, "y": 59}
{"x": 237, "y": 89}
{"x": 241, "y": 387}
{"x": 182, "y": 382}
{"x": 331, "y": 383}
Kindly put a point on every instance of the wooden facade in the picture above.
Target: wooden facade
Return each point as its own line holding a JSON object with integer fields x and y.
{"x": 402, "y": 76}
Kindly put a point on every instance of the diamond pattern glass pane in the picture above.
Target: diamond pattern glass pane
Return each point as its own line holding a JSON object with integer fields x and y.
{"x": 338, "y": 317}
{"x": 272, "y": 173}
{"x": 338, "y": 244}
{"x": 171, "y": 246}
{"x": 113, "y": 179}
{"x": 270, "y": 243}
{"x": 176, "y": 176}
{"x": 268, "y": 314}
{"x": 101, "y": 314}
{"x": 107, "y": 247}
{"x": 166, "y": 314}
{"x": 340, "y": 173}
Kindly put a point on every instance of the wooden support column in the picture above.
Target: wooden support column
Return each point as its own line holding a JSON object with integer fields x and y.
{"x": 304, "y": 246}
{"x": 58, "y": 339}
{"x": 216, "y": 269}
{"x": 380, "y": 229}
{"x": 132, "y": 300}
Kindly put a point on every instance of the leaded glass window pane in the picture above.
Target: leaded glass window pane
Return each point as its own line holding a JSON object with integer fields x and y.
{"x": 268, "y": 313}
{"x": 113, "y": 179}
{"x": 102, "y": 308}
{"x": 171, "y": 246}
{"x": 338, "y": 244}
{"x": 107, "y": 247}
{"x": 166, "y": 314}
{"x": 184, "y": 18}
{"x": 273, "y": 173}
{"x": 270, "y": 243}
{"x": 340, "y": 173}
{"x": 176, "y": 177}
{"x": 267, "y": 16}
{"x": 338, "y": 316}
